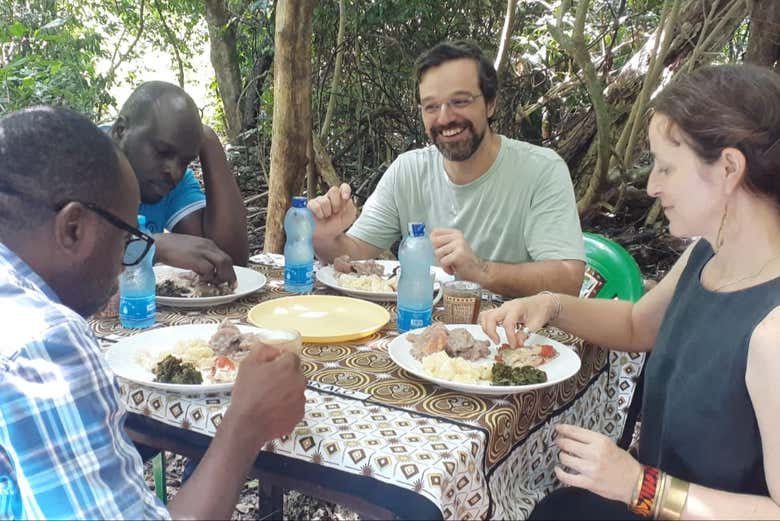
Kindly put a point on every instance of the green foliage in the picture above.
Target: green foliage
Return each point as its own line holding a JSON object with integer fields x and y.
{"x": 50, "y": 49}
{"x": 48, "y": 57}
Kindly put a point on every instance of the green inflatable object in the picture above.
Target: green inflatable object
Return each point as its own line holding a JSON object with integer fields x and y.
{"x": 621, "y": 273}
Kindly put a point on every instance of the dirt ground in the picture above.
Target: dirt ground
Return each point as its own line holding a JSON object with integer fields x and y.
{"x": 296, "y": 505}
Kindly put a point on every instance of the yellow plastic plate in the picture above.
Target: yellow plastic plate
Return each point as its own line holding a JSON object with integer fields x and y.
{"x": 321, "y": 318}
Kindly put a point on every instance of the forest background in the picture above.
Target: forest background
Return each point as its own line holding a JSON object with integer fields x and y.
{"x": 309, "y": 94}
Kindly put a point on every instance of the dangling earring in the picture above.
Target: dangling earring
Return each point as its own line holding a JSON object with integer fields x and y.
{"x": 719, "y": 240}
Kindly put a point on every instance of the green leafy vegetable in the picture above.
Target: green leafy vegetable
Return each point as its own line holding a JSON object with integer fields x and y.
{"x": 172, "y": 370}
{"x": 525, "y": 375}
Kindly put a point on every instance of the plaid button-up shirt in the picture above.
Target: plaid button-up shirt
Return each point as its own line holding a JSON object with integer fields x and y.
{"x": 63, "y": 449}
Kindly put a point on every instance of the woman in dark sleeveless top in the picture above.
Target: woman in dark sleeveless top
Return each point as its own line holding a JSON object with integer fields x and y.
{"x": 710, "y": 438}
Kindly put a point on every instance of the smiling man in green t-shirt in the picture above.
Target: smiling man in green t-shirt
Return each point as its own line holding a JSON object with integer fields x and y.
{"x": 502, "y": 212}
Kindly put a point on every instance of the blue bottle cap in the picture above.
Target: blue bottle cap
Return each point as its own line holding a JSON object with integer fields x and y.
{"x": 416, "y": 229}
{"x": 299, "y": 201}
{"x": 141, "y": 221}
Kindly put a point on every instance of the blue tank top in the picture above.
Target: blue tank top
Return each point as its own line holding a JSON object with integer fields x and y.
{"x": 698, "y": 422}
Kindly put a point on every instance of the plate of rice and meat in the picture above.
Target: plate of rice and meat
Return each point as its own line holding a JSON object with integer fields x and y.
{"x": 463, "y": 358}
{"x": 196, "y": 358}
{"x": 369, "y": 279}
{"x": 182, "y": 288}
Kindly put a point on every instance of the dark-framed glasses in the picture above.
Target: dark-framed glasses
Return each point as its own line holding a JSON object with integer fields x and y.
{"x": 459, "y": 102}
{"x": 136, "y": 246}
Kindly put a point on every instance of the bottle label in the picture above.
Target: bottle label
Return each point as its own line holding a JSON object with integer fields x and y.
{"x": 137, "y": 308}
{"x": 301, "y": 275}
{"x": 413, "y": 319}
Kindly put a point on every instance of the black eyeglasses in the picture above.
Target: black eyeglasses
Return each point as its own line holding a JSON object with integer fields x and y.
{"x": 139, "y": 243}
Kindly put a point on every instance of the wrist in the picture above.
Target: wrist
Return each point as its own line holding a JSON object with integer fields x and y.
{"x": 554, "y": 308}
{"x": 636, "y": 485}
{"x": 484, "y": 273}
{"x": 240, "y": 440}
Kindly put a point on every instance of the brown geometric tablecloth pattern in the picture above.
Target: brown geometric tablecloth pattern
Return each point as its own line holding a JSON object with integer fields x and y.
{"x": 473, "y": 456}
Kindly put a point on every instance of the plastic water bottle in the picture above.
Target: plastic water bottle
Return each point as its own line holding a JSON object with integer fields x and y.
{"x": 415, "y": 285}
{"x": 299, "y": 248}
{"x": 137, "y": 298}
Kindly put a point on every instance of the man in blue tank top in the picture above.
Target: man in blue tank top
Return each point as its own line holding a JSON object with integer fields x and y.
{"x": 160, "y": 131}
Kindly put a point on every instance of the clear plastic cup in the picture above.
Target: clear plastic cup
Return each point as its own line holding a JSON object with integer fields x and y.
{"x": 282, "y": 339}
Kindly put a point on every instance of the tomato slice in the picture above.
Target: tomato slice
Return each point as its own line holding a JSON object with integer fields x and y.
{"x": 547, "y": 351}
{"x": 223, "y": 362}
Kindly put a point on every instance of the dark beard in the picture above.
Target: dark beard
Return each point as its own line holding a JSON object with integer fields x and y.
{"x": 457, "y": 151}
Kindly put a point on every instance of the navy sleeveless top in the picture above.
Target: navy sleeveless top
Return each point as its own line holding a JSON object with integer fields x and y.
{"x": 698, "y": 422}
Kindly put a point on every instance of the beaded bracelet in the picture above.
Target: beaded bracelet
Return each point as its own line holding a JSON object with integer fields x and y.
{"x": 645, "y": 502}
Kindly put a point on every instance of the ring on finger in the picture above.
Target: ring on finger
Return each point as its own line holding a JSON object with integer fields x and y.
{"x": 522, "y": 327}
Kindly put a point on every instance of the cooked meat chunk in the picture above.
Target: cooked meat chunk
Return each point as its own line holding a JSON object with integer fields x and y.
{"x": 227, "y": 339}
{"x": 456, "y": 343}
{"x": 461, "y": 343}
{"x": 432, "y": 340}
{"x": 368, "y": 267}
{"x": 188, "y": 284}
{"x": 342, "y": 264}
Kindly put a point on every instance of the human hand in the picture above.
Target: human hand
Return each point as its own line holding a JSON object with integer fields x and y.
{"x": 268, "y": 395}
{"x": 455, "y": 256}
{"x": 532, "y": 312}
{"x": 195, "y": 253}
{"x": 333, "y": 212}
{"x": 599, "y": 465}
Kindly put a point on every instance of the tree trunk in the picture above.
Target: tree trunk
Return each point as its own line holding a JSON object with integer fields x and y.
{"x": 250, "y": 102}
{"x": 622, "y": 92}
{"x": 224, "y": 59}
{"x": 764, "y": 42}
{"x": 292, "y": 128}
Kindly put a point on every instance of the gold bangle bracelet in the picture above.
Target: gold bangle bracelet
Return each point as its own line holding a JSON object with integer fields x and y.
{"x": 674, "y": 500}
{"x": 660, "y": 493}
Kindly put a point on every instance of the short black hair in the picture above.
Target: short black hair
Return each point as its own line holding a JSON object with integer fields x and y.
{"x": 50, "y": 156}
{"x": 456, "y": 50}
{"x": 137, "y": 105}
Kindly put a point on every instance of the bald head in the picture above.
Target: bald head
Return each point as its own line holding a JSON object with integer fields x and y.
{"x": 157, "y": 96}
{"x": 160, "y": 131}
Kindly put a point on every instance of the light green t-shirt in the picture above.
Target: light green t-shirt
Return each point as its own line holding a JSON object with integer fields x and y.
{"x": 522, "y": 209}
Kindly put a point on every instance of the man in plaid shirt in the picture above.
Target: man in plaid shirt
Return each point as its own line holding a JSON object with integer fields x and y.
{"x": 67, "y": 196}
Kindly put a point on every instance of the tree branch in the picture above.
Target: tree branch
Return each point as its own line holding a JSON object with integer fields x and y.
{"x": 172, "y": 41}
{"x": 336, "y": 72}
{"x": 506, "y": 33}
{"x": 123, "y": 57}
{"x": 576, "y": 46}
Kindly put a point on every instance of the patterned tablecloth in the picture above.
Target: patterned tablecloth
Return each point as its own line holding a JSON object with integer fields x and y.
{"x": 474, "y": 457}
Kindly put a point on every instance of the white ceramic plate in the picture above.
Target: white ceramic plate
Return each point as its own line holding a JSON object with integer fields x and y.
{"x": 328, "y": 276}
{"x": 124, "y": 356}
{"x": 564, "y": 366}
{"x": 247, "y": 281}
